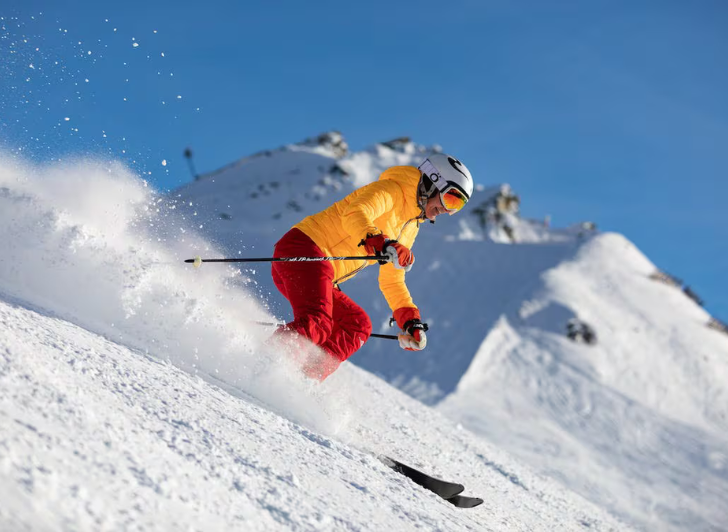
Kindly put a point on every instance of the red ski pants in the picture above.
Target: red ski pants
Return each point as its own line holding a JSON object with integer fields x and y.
{"x": 321, "y": 313}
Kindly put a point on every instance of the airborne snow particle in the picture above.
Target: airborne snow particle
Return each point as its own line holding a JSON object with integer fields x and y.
{"x": 135, "y": 45}
{"x": 164, "y": 162}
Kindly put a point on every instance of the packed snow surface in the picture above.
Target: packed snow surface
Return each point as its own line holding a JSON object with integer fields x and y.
{"x": 97, "y": 436}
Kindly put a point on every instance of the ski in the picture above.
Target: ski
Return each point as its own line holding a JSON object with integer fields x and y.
{"x": 450, "y": 491}
{"x": 462, "y": 501}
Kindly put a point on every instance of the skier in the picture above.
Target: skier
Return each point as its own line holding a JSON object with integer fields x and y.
{"x": 379, "y": 219}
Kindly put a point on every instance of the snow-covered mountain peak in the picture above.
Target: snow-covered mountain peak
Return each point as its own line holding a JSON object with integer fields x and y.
{"x": 286, "y": 184}
{"x": 329, "y": 143}
{"x": 276, "y": 188}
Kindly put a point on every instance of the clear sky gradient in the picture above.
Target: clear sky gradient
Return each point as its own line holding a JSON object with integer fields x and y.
{"x": 609, "y": 111}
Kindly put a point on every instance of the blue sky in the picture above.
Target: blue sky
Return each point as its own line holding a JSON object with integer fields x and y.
{"x": 610, "y": 111}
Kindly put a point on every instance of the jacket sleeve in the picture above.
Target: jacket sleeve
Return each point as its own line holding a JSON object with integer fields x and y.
{"x": 392, "y": 285}
{"x": 374, "y": 200}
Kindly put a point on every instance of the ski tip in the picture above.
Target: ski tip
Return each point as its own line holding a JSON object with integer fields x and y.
{"x": 461, "y": 501}
{"x": 387, "y": 461}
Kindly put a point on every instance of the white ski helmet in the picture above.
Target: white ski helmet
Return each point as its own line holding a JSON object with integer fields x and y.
{"x": 446, "y": 174}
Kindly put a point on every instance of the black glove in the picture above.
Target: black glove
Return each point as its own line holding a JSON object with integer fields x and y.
{"x": 375, "y": 245}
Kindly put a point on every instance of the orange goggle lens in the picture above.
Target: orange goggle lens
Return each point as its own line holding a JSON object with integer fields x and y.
{"x": 452, "y": 199}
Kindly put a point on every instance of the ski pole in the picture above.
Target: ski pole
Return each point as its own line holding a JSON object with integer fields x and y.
{"x": 197, "y": 261}
{"x": 385, "y": 336}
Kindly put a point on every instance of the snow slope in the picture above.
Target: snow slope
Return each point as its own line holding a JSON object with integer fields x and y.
{"x": 137, "y": 393}
{"x": 636, "y": 423}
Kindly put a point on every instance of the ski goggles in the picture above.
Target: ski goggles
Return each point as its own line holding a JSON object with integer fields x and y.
{"x": 452, "y": 199}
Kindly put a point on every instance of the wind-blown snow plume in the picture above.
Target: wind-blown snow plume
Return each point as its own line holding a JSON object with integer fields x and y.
{"x": 90, "y": 243}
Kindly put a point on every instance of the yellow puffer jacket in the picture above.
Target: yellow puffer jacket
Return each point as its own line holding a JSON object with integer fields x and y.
{"x": 387, "y": 206}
